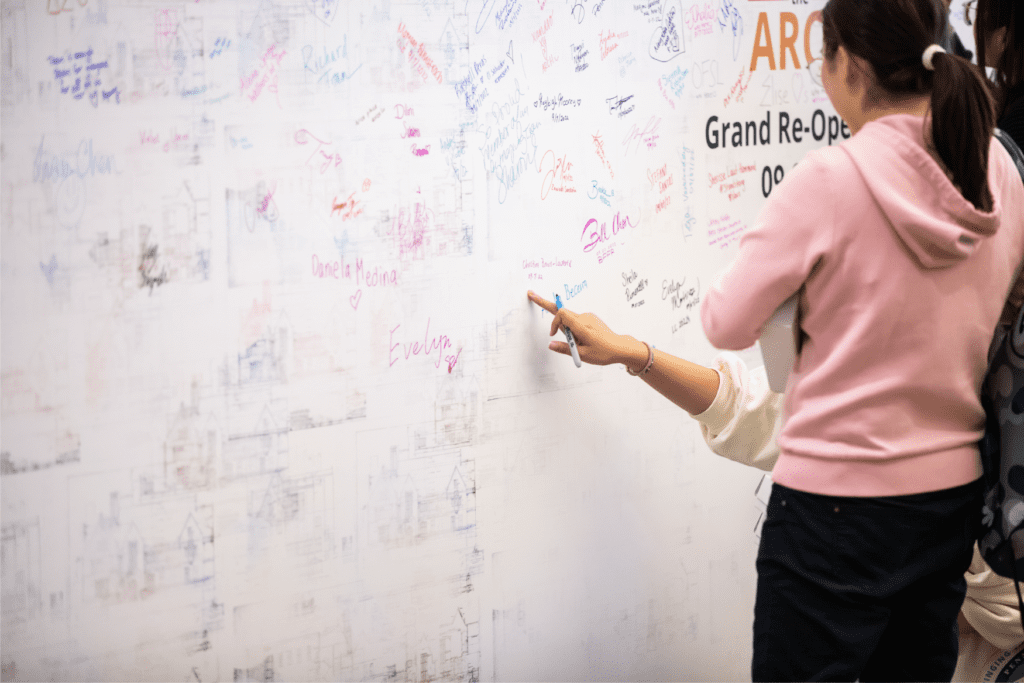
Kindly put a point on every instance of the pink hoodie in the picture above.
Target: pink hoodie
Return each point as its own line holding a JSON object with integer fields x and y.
{"x": 904, "y": 281}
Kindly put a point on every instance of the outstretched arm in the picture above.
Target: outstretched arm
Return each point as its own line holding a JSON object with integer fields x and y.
{"x": 690, "y": 386}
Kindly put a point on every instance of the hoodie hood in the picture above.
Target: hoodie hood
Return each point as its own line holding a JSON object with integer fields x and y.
{"x": 924, "y": 208}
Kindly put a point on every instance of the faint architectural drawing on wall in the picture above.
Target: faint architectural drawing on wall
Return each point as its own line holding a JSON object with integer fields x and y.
{"x": 175, "y": 245}
{"x": 462, "y": 498}
{"x": 258, "y": 238}
{"x": 264, "y": 671}
{"x": 20, "y": 573}
{"x": 191, "y": 449}
{"x": 173, "y": 64}
{"x": 196, "y": 542}
{"x": 457, "y": 412}
{"x": 186, "y": 233}
{"x": 294, "y": 517}
{"x": 459, "y": 654}
{"x": 68, "y": 447}
{"x": 13, "y": 67}
{"x": 257, "y": 442}
{"x": 324, "y": 10}
{"x": 114, "y": 565}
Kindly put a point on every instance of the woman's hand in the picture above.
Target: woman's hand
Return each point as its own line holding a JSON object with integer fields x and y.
{"x": 595, "y": 342}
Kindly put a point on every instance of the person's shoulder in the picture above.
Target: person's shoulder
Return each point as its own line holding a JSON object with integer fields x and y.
{"x": 826, "y": 165}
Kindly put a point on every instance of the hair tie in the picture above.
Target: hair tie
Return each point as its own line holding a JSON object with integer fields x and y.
{"x": 929, "y": 52}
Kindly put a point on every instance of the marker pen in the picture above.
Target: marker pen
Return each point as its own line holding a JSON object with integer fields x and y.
{"x": 569, "y": 337}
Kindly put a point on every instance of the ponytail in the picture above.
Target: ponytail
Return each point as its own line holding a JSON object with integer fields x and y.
{"x": 963, "y": 119}
{"x": 892, "y": 36}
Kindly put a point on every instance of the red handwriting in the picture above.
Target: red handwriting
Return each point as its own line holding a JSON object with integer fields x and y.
{"x": 607, "y": 43}
{"x": 662, "y": 180}
{"x": 348, "y": 208}
{"x": 402, "y": 111}
{"x": 417, "y": 55}
{"x": 55, "y": 7}
{"x": 410, "y": 350}
{"x": 319, "y": 156}
{"x": 366, "y": 185}
{"x": 599, "y": 145}
{"x": 557, "y": 176}
{"x": 594, "y": 233}
{"x": 739, "y": 88}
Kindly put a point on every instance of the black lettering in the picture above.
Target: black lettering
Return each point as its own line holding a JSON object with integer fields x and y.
{"x": 814, "y": 125}
{"x": 798, "y": 130}
{"x": 764, "y": 129}
{"x": 783, "y": 126}
{"x": 833, "y": 129}
{"x": 737, "y": 135}
{"x": 845, "y": 130}
{"x": 750, "y": 132}
{"x": 708, "y": 133}
{"x": 725, "y": 141}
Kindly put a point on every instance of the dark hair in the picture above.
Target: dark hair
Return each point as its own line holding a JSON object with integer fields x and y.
{"x": 891, "y": 36}
{"x": 1009, "y": 77}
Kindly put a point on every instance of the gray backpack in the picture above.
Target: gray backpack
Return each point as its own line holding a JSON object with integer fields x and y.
{"x": 1001, "y": 535}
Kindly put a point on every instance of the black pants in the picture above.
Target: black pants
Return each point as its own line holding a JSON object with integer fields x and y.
{"x": 862, "y": 588}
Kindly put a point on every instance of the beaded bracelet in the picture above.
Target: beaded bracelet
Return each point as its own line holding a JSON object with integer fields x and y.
{"x": 650, "y": 362}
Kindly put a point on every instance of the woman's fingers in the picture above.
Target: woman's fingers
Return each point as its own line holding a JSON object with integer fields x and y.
{"x": 548, "y": 306}
{"x": 559, "y": 347}
{"x": 556, "y": 322}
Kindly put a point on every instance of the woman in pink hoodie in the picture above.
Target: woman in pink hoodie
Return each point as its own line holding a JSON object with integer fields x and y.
{"x": 902, "y": 243}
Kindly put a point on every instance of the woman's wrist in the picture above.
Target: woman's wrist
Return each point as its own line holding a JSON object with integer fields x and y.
{"x": 634, "y": 354}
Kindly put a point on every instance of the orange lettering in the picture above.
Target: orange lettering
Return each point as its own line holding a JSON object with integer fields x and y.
{"x": 788, "y": 42}
{"x": 762, "y": 50}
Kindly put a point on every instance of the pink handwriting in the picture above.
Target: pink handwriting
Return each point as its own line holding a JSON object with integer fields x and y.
{"x": 325, "y": 158}
{"x": 365, "y": 276}
{"x": 262, "y": 208}
{"x": 648, "y": 135}
{"x": 330, "y": 269}
{"x": 264, "y": 75}
{"x": 409, "y": 131}
{"x": 598, "y": 233}
{"x": 410, "y": 350}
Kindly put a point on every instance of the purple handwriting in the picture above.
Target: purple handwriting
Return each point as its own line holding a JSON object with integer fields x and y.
{"x": 77, "y": 76}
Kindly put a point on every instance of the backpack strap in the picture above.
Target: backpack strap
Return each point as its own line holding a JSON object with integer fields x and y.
{"x": 1018, "y": 159}
{"x": 1011, "y": 146}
